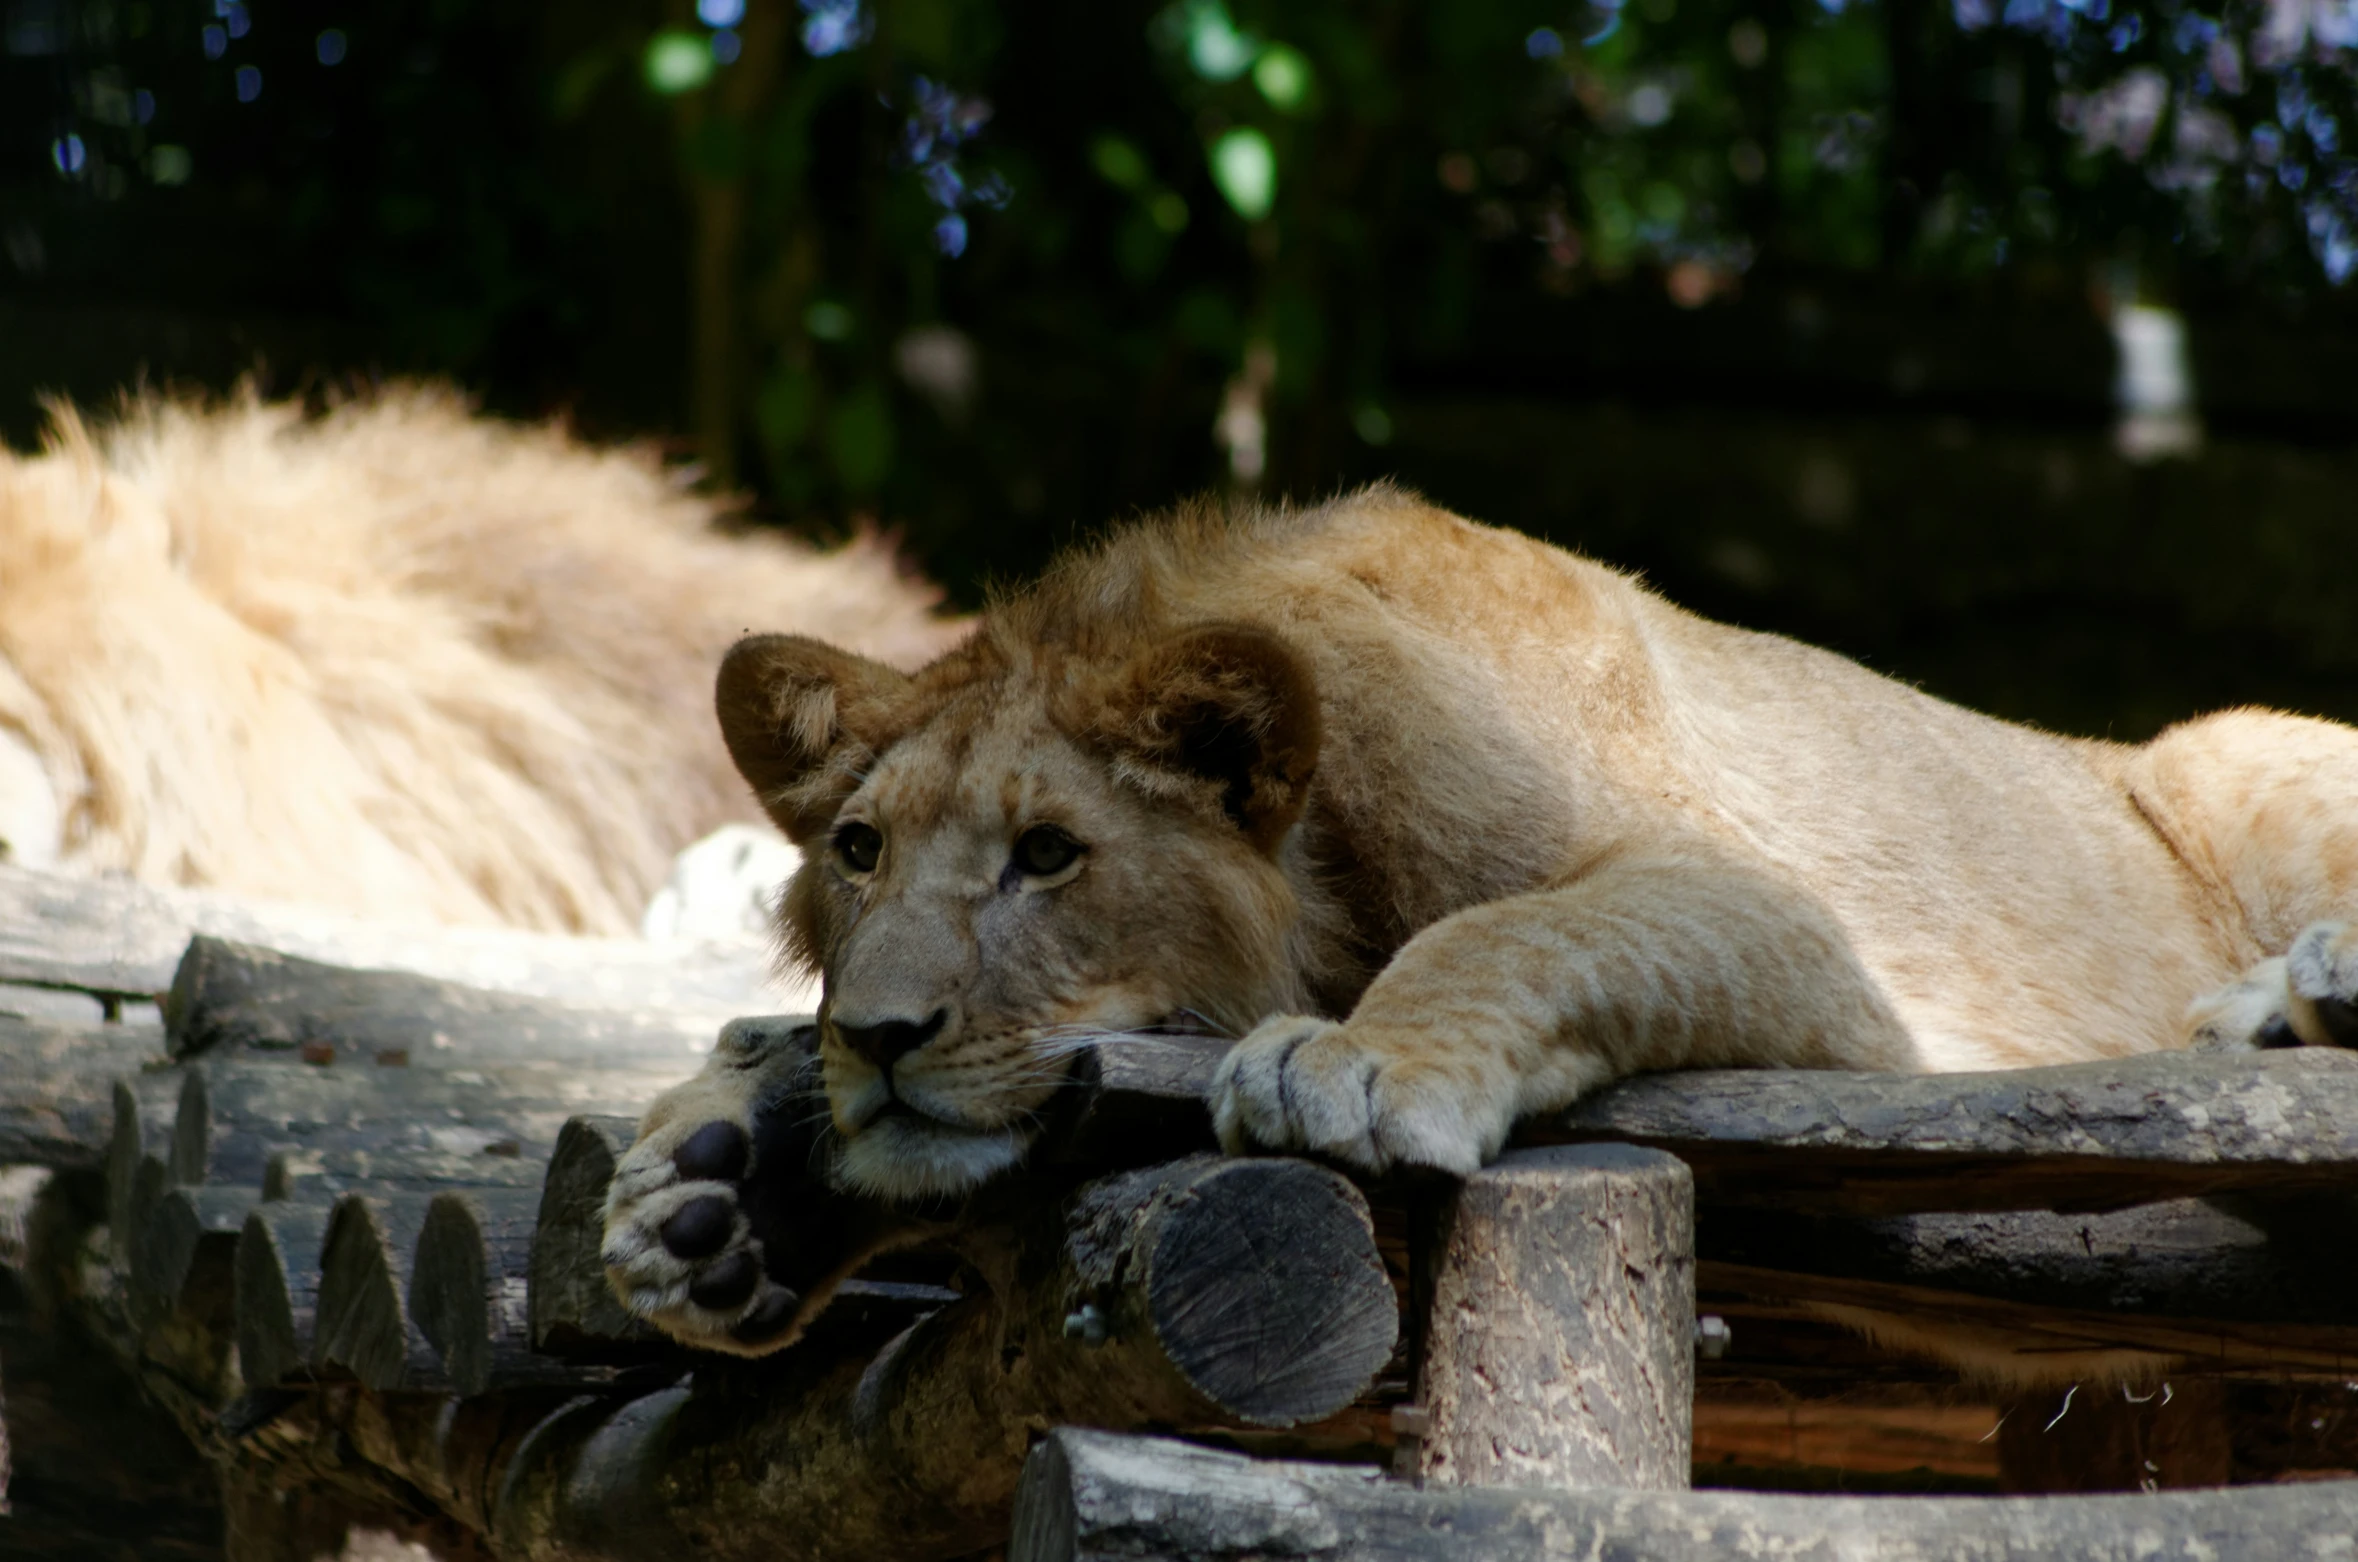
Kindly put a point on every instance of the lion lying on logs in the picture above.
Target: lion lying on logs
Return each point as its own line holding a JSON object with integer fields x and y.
{"x": 398, "y": 661}
{"x": 1447, "y": 827}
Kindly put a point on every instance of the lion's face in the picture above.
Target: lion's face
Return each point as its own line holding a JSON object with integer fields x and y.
{"x": 1005, "y": 865}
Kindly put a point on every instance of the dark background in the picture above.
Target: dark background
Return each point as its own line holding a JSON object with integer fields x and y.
{"x": 1800, "y": 308}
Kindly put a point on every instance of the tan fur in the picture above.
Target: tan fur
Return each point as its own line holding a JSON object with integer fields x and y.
{"x": 398, "y": 660}
{"x": 1451, "y": 827}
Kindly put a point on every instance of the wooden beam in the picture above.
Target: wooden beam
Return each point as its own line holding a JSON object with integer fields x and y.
{"x": 113, "y": 937}
{"x": 467, "y": 1288}
{"x": 276, "y": 1289}
{"x": 1098, "y": 1496}
{"x": 363, "y": 1326}
{"x": 571, "y": 1310}
{"x": 1557, "y": 1290}
{"x": 57, "y": 1087}
{"x": 2089, "y": 1136}
{"x": 355, "y": 1126}
{"x": 2246, "y": 1259}
{"x": 2145, "y": 1343}
{"x": 229, "y": 999}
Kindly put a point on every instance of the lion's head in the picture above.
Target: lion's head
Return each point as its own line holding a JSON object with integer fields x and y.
{"x": 1021, "y": 847}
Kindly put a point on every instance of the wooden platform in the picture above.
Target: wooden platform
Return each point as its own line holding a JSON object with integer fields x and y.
{"x": 312, "y": 1242}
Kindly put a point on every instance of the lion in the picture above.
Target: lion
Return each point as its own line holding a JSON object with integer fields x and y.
{"x": 400, "y": 660}
{"x": 1450, "y": 827}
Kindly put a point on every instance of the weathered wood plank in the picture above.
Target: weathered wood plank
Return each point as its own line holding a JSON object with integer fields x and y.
{"x": 467, "y": 1288}
{"x": 571, "y": 1308}
{"x": 2087, "y": 1136}
{"x": 364, "y": 1325}
{"x": 276, "y": 1288}
{"x": 2090, "y": 1136}
{"x": 229, "y": 1000}
{"x": 57, "y": 1087}
{"x": 354, "y": 1126}
{"x": 114, "y": 937}
{"x": 1097, "y": 1496}
{"x": 1558, "y": 1345}
{"x": 2142, "y": 1341}
{"x": 2242, "y": 1259}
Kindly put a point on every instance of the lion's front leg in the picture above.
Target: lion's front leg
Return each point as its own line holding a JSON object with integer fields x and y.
{"x": 1678, "y": 959}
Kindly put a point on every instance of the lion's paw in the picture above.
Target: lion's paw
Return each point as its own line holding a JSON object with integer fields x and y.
{"x": 2321, "y": 971}
{"x": 1307, "y": 1086}
{"x": 2306, "y": 997}
{"x": 681, "y": 1248}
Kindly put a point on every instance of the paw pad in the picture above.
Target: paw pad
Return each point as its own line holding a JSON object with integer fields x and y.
{"x": 769, "y": 1318}
{"x": 717, "y": 1152}
{"x": 700, "y": 1229}
{"x": 727, "y": 1284}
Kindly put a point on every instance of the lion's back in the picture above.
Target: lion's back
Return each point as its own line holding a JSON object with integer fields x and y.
{"x": 1501, "y": 712}
{"x": 400, "y": 659}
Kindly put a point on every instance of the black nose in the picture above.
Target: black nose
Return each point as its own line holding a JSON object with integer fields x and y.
{"x": 888, "y": 1041}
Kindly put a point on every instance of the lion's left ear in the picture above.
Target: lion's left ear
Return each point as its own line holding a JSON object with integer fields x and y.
{"x": 1228, "y": 704}
{"x": 800, "y": 717}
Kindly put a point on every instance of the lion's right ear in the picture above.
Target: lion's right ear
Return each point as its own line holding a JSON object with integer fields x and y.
{"x": 801, "y": 718}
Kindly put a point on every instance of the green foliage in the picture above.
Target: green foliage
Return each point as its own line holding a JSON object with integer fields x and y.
{"x": 986, "y": 271}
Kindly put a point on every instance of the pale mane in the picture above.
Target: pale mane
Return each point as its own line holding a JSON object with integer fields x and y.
{"x": 399, "y": 659}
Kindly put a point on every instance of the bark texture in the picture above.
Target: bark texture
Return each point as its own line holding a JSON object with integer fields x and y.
{"x": 1095, "y": 1497}
{"x": 1558, "y": 1345}
{"x": 2090, "y": 1136}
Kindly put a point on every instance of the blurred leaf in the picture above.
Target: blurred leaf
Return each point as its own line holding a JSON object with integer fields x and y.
{"x": 677, "y": 61}
{"x": 1244, "y": 166}
{"x": 860, "y": 438}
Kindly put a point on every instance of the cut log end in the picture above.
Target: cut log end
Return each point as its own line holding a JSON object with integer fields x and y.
{"x": 1266, "y": 1291}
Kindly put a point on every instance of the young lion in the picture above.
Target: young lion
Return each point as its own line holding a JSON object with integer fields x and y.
{"x": 1450, "y": 826}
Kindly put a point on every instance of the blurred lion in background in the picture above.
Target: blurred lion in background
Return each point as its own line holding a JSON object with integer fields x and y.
{"x": 398, "y": 660}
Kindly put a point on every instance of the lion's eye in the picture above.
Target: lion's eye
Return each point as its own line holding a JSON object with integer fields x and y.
{"x": 1044, "y": 849}
{"x": 858, "y": 846}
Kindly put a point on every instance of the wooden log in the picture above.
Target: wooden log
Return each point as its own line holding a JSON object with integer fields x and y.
{"x": 2137, "y": 1344}
{"x": 2090, "y": 1136}
{"x": 363, "y": 1325}
{"x": 276, "y": 1289}
{"x": 570, "y": 1307}
{"x": 184, "y": 1256}
{"x": 57, "y": 1087}
{"x": 1096, "y": 1496}
{"x": 1225, "y": 1293}
{"x": 352, "y": 1126}
{"x": 112, "y": 937}
{"x": 1558, "y": 1345}
{"x": 140, "y": 1161}
{"x": 467, "y": 1287}
{"x": 235, "y": 998}
{"x": 2085, "y": 1137}
{"x": 2292, "y": 1260}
